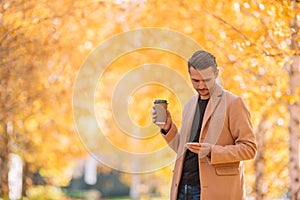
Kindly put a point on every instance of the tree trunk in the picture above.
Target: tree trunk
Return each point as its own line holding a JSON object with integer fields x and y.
{"x": 294, "y": 109}
{"x": 260, "y": 187}
{"x": 26, "y": 181}
{"x": 135, "y": 187}
{"x": 4, "y": 161}
{"x": 294, "y": 129}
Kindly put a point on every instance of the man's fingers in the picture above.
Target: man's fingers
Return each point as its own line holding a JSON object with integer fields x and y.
{"x": 195, "y": 147}
{"x": 153, "y": 111}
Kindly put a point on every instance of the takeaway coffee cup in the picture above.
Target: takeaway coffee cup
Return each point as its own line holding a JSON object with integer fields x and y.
{"x": 160, "y": 107}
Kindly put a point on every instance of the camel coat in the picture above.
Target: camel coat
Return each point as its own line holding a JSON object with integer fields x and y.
{"x": 227, "y": 125}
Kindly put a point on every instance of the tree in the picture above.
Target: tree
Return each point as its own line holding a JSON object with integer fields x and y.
{"x": 293, "y": 70}
{"x": 274, "y": 47}
{"x": 43, "y": 45}
{"x": 32, "y": 84}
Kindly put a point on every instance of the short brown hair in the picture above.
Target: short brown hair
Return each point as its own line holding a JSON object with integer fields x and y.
{"x": 202, "y": 60}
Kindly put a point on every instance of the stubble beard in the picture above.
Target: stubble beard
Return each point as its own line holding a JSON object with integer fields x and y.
{"x": 203, "y": 92}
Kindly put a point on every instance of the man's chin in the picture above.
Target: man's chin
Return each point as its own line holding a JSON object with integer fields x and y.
{"x": 203, "y": 93}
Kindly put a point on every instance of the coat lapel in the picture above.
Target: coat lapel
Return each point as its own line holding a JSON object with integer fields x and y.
{"x": 192, "y": 108}
{"x": 213, "y": 108}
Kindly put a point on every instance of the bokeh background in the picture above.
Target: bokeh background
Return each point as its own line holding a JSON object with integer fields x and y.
{"x": 44, "y": 44}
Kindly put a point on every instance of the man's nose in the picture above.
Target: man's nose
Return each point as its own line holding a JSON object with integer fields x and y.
{"x": 202, "y": 84}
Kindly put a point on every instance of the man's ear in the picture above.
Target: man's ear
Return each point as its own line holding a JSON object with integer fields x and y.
{"x": 217, "y": 72}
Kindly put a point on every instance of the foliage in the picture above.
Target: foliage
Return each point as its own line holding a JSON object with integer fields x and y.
{"x": 44, "y": 44}
{"x": 45, "y": 193}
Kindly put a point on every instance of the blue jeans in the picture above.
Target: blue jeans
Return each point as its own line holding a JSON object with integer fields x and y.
{"x": 188, "y": 192}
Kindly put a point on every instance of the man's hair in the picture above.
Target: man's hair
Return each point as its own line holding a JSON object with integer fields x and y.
{"x": 202, "y": 60}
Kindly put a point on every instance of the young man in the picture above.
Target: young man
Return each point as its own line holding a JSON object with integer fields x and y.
{"x": 216, "y": 136}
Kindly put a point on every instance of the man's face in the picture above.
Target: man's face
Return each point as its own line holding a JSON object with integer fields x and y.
{"x": 203, "y": 80}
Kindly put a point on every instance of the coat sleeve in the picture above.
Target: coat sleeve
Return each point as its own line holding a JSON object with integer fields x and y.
{"x": 244, "y": 142}
{"x": 172, "y": 138}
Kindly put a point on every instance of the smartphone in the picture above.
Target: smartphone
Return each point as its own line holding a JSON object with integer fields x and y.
{"x": 189, "y": 143}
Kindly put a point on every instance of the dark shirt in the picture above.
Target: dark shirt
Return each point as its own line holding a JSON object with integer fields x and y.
{"x": 190, "y": 171}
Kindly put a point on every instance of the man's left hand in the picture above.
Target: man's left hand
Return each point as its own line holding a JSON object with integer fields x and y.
{"x": 205, "y": 150}
{"x": 202, "y": 149}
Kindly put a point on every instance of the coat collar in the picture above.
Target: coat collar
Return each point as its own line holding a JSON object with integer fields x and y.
{"x": 212, "y": 104}
{"x": 214, "y": 100}
{"x": 215, "y": 113}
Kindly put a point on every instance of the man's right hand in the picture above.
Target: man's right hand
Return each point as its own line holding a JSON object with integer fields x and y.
{"x": 165, "y": 126}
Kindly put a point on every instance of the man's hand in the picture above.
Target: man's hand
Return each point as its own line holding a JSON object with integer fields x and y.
{"x": 205, "y": 150}
{"x": 202, "y": 149}
{"x": 165, "y": 126}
